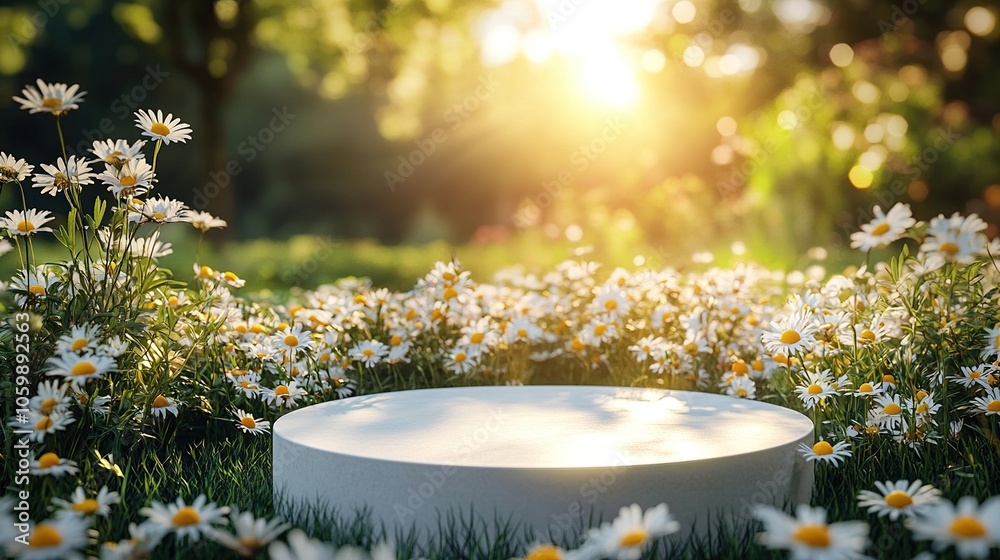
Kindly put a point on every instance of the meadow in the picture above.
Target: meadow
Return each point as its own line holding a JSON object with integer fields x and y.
{"x": 139, "y": 398}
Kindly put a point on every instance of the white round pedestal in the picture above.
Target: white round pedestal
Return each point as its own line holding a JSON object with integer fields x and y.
{"x": 542, "y": 456}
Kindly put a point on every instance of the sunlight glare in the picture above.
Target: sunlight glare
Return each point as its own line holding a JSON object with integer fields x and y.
{"x": 607, "y": 76}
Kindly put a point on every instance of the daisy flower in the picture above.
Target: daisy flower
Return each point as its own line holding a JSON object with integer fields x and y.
{"x": 116, "y": 152}
{"x": 809, "y": 536}
{"x": 884, "y": 228}
{"x": 991, "y": 341}
{"x": 368, "y": 352}
{"x": 522, "y": 329}
{"x": 60, "y": 538}
{"x": 141, "y": 542}
{"x": 900, "y": 498}
{"x": 13, "y": 169}
{"x": 631, "y": 532}
{"x": 80, "y": 338}
{"x": 50, "y": 463}
{"x": 970, "y": 376}
{"x": 742, "y": 387}
{"x": 791, "y": 335}
{"x": 162, "y": 406}
{"x": 248, "y": 383}
{"x": 131, "y": 178}
{"x": 597, "y": 332}
{"x": 548, "y": 552}
{"x": 80, "y": 505}
{"x": 611, "y": 302}
{"x": 867, "y": 389}
{"x": 50, "y": 98}
{"x": 300, "y": 547}
{"x": 203, "y": 221}
{"x": 250, "y": 425}
{"x": 823, "y": 451}
{"x": 69, "y": 174}
{"x": 186, "y": 521}
{"x": 460, "y": 361}
{"x": 971, "y": 527}
{"x": 50, "y": 397}
{"x": 251, "y": 534}
{"x": 167, "y": 129}
{"x": 283, "y": 395}
{"x": 45, "y": 424}
{"x": 157, "y": 210}
{"x": 818, "y": 387}
{"x": 887, "y": 411}
{"x": 79, "y": 369}
{"x": 292, "y": 340}
{"x": 27, "y": 222}
{"x": 988, "y": 404}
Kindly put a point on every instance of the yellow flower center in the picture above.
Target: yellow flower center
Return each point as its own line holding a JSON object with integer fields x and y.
{"x": 160, "y": 129}
{"x": 25, "y": 226}
{"x": 790, "y": 336}
{"x": 871, "y": 430}
{"x": 974, "y": 374}
{"x": 37, "y": 289}
{"x": 816, "y": 536}
{"x": 923, "y": 408}
{"x": 460, "y": 357}
{"x": 600, "y": 329}
{"x": 740, "y": 367}
{"x": 231, "y": 277}
{"x": 546, "y": 552}
{"x": 867, "y": 334}
{"x": 248, "y": 422}
{"x": 814, "y": 389}
{"x": 610, "y": 305}
{"x": 898, "y": 499}
{"x": 44, "y": 536}
{"x": 127, "y": 180}
{"x": 866, "y": 388}
{"x": 396, "y": 340}
{"x": 281, "y": 390}
{"x": 577, "y": 344}
{"x": 741, "y": 393}
{"x": 88, "y": 506}
{"x": 159, "y": 216}
{"x": 888, "y": 378}
{"x": 79, "y": 344}
{"x": 48, "y": 460}
{"x": 476, "y": 338}
{"x": 921, "y": 395}
{"x": 993, "y": 406}
{"x": 160, "y": 401}
{"x": 48, "y": 404}
{"x": 291, "y": 340}
{"x": 780, "y": 358}
{"x": 44, "y": 424}
{"x": 880, "y": 229}
{"x": 691, "y": 348}
{"x": 633, "y": 538}
{"x": 822, "y": 448}
{"x": 185, "y": 517}
{"x": 949, "y": 247}
{"x": 449, "y": 293}
{"x": 891, "y": 409}
{"x": 368, "y": 352}
{"x": 522, "y": 333}
{"x": 967, "y": 527}
{"x": 83, "y": 368}
{"x": 205, "y": 272}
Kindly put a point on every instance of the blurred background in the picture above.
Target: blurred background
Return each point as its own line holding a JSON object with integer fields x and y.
{"x": 369, "y": 137}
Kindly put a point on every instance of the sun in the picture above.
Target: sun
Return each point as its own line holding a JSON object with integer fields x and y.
{"x": 590, "y": 37}
{"x": 609, "y": 77}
